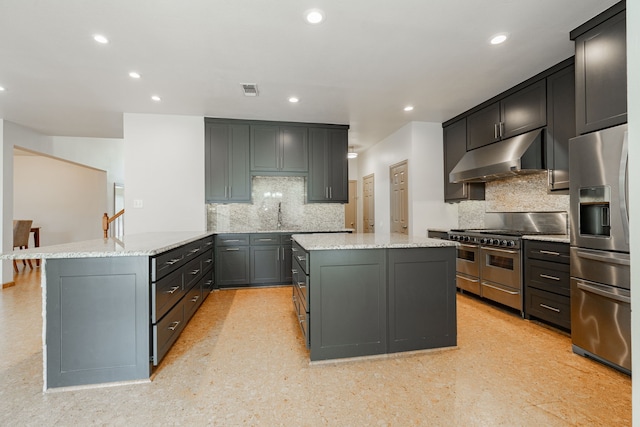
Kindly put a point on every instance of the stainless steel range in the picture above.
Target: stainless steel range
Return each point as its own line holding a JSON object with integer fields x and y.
{"x": 489, "y": 261}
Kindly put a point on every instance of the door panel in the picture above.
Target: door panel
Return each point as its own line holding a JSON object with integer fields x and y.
{"x": 350, "y": 208}
{"x": 399, "y": 198}
{"x": 368, "y": 204}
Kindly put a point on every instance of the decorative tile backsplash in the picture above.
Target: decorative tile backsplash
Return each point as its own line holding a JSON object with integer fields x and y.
{"x": 522, "y": 193}
{"x": 268, "y": 193}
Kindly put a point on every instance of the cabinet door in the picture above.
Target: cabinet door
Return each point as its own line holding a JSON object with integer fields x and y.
{"x": 232, "y": 266}
{"x": 239, "y": 174}
{"x": 216, "y": 161}
{"x": 455, "y": 145}
{"x": 317, "y": 183}
{"x": 294, "y": 148}
{"x": 601, "y": 76}
{"x": 265, "y": 148}
{"x": 524, "y": 110}
{"x": 561, "y": 126}
{"x": 338, "y": 166}
{"x": 482, "y": 127}
{"x": 286, "y": 276}
{"x": 265, "y": 264}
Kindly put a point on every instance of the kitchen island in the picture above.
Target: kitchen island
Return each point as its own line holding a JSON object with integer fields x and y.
{"x": 370, "y": 294}
{"x": 113, "y": 307}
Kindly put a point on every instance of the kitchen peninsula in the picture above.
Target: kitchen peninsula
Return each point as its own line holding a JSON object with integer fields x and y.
{"x": 368, "y": 294}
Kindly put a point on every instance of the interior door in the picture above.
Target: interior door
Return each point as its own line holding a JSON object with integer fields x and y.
{"x": 368, "y": 210}
{"x": 399, "y": 198}
{"x": 350, "y": 208}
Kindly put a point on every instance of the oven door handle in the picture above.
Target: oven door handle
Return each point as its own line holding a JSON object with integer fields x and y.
{"x": 468, "y": 246}
{"x": 603, "y": 293}
{"x": 500, "y": 289}
{"x": 501, "y": 250}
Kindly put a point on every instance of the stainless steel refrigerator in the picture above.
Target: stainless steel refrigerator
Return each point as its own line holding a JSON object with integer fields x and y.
{"x": 600, "y": 268}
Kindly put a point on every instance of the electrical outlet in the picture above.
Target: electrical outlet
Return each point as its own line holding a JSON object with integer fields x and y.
{"x": 137, "y": 203}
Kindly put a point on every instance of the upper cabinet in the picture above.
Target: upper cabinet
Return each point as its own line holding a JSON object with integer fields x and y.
{"x": 455, "y": 145}
{"x": 601, "y": 70}
{"x": 328, "y": 165}
{"x": 227, "y": 176}
{"x": 561, "y": 126}
{"x": 513, "y": 115}
{"x": 279, "y": 148}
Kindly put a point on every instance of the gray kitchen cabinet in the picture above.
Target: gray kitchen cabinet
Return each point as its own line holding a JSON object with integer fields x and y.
{"x": 601, "y": 70}
{"x": 328, "y": 165}
{"x": 233, "y": 266}
{"x": 227, "y": 174}
{"x": 512, "y": 115}
{"x": 455, "y": 146}
{"x": 547, "y": 282}
{"x": 561, "y": 126}
{"x": 279, "y": 148}
{"x": 422, "y": 312}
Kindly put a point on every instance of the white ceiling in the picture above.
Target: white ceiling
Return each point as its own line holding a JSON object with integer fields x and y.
{"x": 367, "y": 61}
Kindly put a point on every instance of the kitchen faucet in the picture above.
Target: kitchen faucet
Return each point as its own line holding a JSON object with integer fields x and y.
{"x": 279, "y": 215}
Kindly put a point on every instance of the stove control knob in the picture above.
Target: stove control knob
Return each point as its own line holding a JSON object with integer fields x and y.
{"x": 511, "y": 243}
{"x": 484, "y": 240}
{"x": 466, "y": 238}
{"x": 503, "y": 243}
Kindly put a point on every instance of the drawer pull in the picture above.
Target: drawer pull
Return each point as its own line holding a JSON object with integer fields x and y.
{"x": 194, "y": 272}
{"x": 232, "y": 249}
{"x": 265, "y": 240}
{"x": 546, "y": 276}
{"x": 172, "y": 261}
{"x": 302, "y": 284}
{"x": 174, "y": 325}
{"x": 542, "y": 251}
{"x": 557, "y": 310}
{"x": 209, "y": 282}
{"x": 294, "y": 271}
{"x": 231, "y": 240}
{"x": 195, "y": 298}
{"x": 301, "y": 258}
{"x": 193, "y": 251}
{"x": 209, "y": 243}
{"x": 208, "y": 260}
{"x": 172, "y": 290}
{"x": 500, "y": 289}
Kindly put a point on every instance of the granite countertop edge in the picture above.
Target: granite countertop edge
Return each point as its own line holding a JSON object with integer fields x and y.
{"x": 559, "y": 238}
{"x": 320, "y": 242}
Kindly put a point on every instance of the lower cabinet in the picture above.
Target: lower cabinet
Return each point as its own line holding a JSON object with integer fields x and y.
{"x": 257, "y": 259}
{"x": 363, "y": 302}
{"x": 547, "y": 282}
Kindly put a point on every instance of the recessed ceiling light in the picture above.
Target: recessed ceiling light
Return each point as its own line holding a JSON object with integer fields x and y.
{"x": 134, "y": 75}
{"x": 2, "y": 89}
{"x": 408, "y": 108}
{"x": 314, "y": 16}
{"x": 498, "y": 38}
{"x": 156, "y": 98}
{"x": 293, "y": 100}
{"x": 100, "y": 38}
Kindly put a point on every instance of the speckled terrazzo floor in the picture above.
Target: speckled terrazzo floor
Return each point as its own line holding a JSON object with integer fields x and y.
{"x": 241, "y": 361}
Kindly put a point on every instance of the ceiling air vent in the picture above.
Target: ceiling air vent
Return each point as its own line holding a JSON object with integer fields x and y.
{"x": 250, "y": 89}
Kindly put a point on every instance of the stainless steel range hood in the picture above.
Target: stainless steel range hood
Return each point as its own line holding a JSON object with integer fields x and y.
{"x": 519, "y": 155}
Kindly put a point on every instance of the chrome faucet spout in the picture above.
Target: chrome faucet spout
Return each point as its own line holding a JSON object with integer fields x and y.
{"x": 279, "y": 225}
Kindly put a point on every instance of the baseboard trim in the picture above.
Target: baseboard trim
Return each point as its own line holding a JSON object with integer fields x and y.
{"x": 8, "y": 285}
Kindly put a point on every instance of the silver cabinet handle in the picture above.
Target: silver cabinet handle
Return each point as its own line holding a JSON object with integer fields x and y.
{"x": 209, "y": 282}
{"x": 195, "y": 298}
{"x": 193, "y": 251}
{"x": 331, "y": 192}
{"x": 232, "y": 249}
{"x": 265, "y": 240}
{"x": 194, "y": 272}
{"x": 301, "y": 258}
{"x": 231, "y": 240}
{"x": 501, "y": 250}
{"x": 546, "y": 276}
{"x": 467, "y": 279}
{"x": 230, "y": 193}
{"x": 495, "y": 131}
{"x": 173, "y": 261}
{"x": 542, "y": 251}
{"x": 172, "y": 290}
{"x": 501, "y": 126}
{"x": 209, "y": 243}
{"x": 208, "y": 260}
{"x": 174, "y": 325}
{"x": 557, "y": 310}
{"x": 294, "y": 271}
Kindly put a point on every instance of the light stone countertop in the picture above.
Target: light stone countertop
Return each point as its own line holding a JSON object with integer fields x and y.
{"x": 245, "y": 229}
{"x": 559, "y": 238}
{"x": 143, "y": 244}
{"x": 315, "y": 242}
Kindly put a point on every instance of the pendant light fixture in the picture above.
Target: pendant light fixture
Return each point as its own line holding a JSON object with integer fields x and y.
{"x": 351, "y": 154}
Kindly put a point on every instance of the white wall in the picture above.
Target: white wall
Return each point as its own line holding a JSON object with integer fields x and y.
{"x": 65, "y": 199}
{"x": 164, "y": 168}
{"x": 633, "y": 102}
{"x": 421, "y": 144}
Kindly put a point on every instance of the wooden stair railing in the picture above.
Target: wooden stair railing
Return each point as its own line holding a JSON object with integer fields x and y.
{"x": 106, "y": 221}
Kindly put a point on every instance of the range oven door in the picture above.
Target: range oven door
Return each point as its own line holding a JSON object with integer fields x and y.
{"x": 468, "y": 268}
{"x": 501, "y": 272}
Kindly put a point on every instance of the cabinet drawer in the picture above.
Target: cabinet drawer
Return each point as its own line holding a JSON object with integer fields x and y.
{"x": 165, "y": 293}
{"x": 207, "y": 283}
{"x": 166, "y": 262}
{"x": 286, "y": 239}
{"x": 547, "y": 251}
{"x": 301, "y": 281}
{"x": 548, "y": 306}
{"x": 166, "y": 332}
{"x": 232, "y": 240}
{"x": 265, "y": 239}
{"x": 300, "y": 256}
{"x": 192, "y": 273}
{"x": 192, "y": 301}
{"x": 302, "y": 316}
{"x": 207, "y": 260}
{"x": 548, "y": 276}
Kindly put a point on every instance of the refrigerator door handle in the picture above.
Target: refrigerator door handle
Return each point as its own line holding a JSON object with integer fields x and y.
{"x": 603, "y": 293}
{"x": 622, "y": 185}
{"x": 594, "y": 256}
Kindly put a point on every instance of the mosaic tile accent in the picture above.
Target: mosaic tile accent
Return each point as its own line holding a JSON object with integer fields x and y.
{"x": 522, "y": 193}
{"x": 262, "y": 214}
